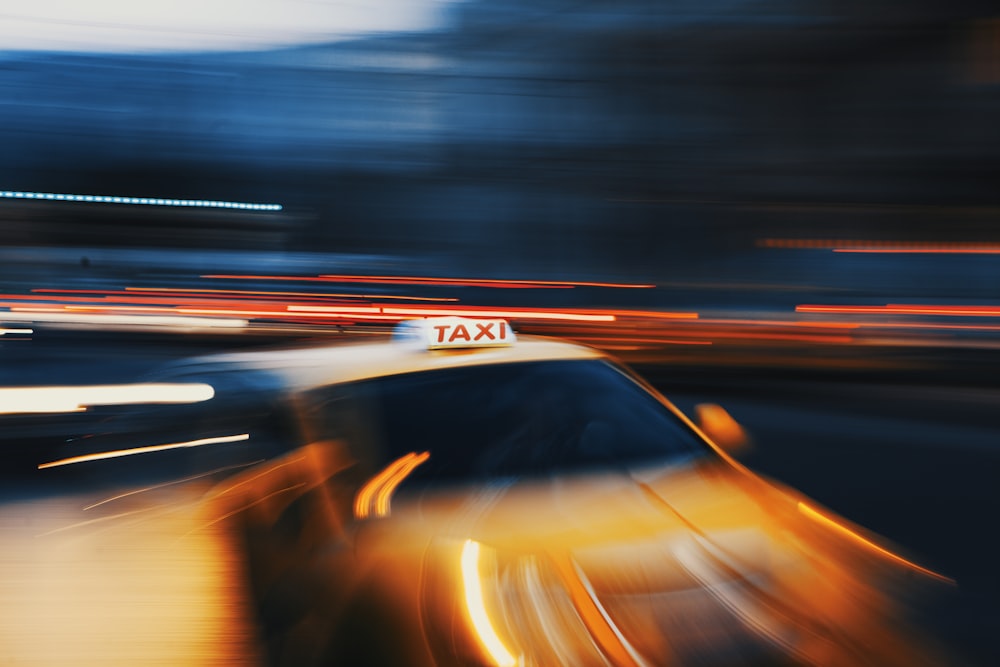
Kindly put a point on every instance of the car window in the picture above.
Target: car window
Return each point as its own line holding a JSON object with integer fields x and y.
{"x": 511, "y": 420}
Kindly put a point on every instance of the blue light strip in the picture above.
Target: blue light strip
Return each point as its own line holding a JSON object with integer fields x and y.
{"x": 140, "y": 201}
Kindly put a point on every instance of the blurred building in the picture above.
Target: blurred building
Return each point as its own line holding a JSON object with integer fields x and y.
{"x": 637, "y": 137}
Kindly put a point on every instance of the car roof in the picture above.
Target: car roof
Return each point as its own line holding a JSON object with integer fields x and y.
{"x": 303, "y": 367}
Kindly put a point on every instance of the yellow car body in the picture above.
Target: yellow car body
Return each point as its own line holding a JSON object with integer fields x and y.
{"x": 364, "y": 553}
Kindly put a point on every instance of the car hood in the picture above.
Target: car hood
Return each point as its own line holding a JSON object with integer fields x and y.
{"x": 671, "y": 564}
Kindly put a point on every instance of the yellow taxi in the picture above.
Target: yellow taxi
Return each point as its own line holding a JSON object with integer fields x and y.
{"x": 459, "y": 495}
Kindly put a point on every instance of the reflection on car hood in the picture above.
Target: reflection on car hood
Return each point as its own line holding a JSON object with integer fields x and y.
{"x": 680, "y": 564}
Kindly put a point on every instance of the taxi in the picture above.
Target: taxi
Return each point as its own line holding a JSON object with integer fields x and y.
{"x": 461, "y": 495}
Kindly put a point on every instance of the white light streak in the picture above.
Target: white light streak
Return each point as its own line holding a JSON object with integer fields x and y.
{"x": 185, "y": 25}
{"x": 140, "y": 201}
{"x": 35, "y": 400}
{"x": 179, "y": 322}
{"x": 476, "y": 607}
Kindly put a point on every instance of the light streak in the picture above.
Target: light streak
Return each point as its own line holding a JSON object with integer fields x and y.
{"x": 904, "y": 309}
{"x": 139, "y": 201}
{"x": 483, "y": 282}
{"x": 891, "y": 247}
{"x": 110, "y": 309}
{"x": 100, "y": 519}
{"x": 843, "y": 530}
{"x": 152, "y": 306}
{"x": 363, "y": 500}
{"x": 205, "y": 301}
{"x": 269, "y": 470}
{"x": 347, "y": 318}
{"x": 598, "y": 622}
{"x": 39, "y": 297}
{"x": 934, "y": 326}
{"x": 780, "y": 323}
{"x": 507, "y": 314}
{"x": 100, "y": 456}
{"x": 654, "y": 314}
{"x": 404, "y": 312}
{"x": 810, "y": 244}
{"x": 27, "y": 400}
{"x": 990, "y": 250}
{"x": 447, "y": 282}
{"x": 476, "y": 607}
{"x": 595, "y": 601}
{"x": 650, "y": 341}
{"x": 383, "y": 497}
{"x": 40, "y": 314}
{"x": 285, "y": 315}
{"x": 266, "y": 293}
{"x": 154, "y": 487}
{"x": 236, "y": 511}
{"x": 974, "y": 311}
{"x": 4, "y": 332}
{"x": 377, "y": 492}
{"x": 372, "y": 310}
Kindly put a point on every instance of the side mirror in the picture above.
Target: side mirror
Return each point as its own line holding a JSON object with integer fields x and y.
{"x": 720, "y": 426}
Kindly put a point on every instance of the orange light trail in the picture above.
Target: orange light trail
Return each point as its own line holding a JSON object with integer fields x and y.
{"x": 307, "y": 295}
{"x": 927, "y": 250}
{"x": 826, "y": 324}
{"x": 586, "y": 316}
{"x": 843, "y": 530}
{"x": 374, "y": 496}
{"x": 986, "y": 311}
{"x": 904, "y": 309}
{"x": 944, "y": 327}
{"x": 37, "y": 297}
{"x": 240, "y": 294}
{"x": 602, "y": 327}
{"x": 595, "y": 617}
{"x": 630, "y": 339}
{"x": 259, "y": 313}
{"x": 143, "y": 450}
{"x": 127, "y": 299}
{"x": 300, "y": 311}
{"x": 383, "y": 497}
{"x": 89, "y": 306}
{"x": 370, "y": 310}
{"x": 545, "y": 314}
{"x": 653, "y": 314}
{"x": 117, "y": 309}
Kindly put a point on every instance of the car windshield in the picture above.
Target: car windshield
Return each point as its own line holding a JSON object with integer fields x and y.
{"x": 508, "y": 421}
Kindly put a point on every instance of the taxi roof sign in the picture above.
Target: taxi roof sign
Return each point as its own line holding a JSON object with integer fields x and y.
{"x": 440, "y": 333}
